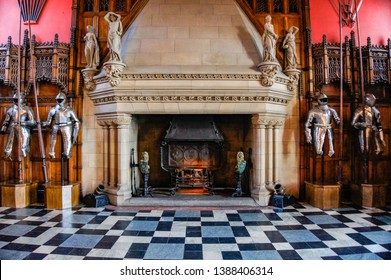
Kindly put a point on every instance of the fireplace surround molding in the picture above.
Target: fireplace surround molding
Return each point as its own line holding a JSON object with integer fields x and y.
{"x": 115, "y": 108}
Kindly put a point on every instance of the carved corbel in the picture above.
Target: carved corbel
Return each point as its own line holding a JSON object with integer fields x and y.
{"x": 294, "y": 76}
{"x": 114, "y": 70}
{"x": 88, "y": 77}
{"x": 268, "y": 73}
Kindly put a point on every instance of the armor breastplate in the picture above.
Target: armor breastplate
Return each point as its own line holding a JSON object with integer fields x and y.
{"x": 62, "y": 116}
{"x": 368, "y": 116}
{"x": 15, "y": 114}
{"x": 322, "y": 117}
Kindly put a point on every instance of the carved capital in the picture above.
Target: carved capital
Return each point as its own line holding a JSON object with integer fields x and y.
{"x": 118, "y": 121}
{"x": 259, "y": 122}
{"x": 114, "y": 70}
{"x": 88, "y": 77}
{"x": 266, "y": 122}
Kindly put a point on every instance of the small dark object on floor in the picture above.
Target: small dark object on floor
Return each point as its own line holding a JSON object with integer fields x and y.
{"x": 96, "y": 200}
{"x": 282, "y": 201}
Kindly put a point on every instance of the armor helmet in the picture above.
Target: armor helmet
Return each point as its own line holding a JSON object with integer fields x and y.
{"x": 322, "y": 99}
{"x": 370, "y": 99}
{"x": 15, "y": 99}
{"x": 61, "y": 99}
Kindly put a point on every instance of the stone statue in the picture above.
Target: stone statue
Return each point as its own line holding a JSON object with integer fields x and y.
{"x": 144, "y": 167}
{"x": 269, "y": 40}
{"x": 289, "y": 44}
{"x": 241, "y": 163}
{"x": 91, "y": 49}
{"x": 27, "y": 121}
{"x": 114, "y": 35}
{"x": 66, "y": 121}
{"x": 320, "y": 118}
{"x": 371, "y": 128}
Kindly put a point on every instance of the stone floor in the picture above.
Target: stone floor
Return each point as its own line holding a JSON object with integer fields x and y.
{"x": 199, "y": 228}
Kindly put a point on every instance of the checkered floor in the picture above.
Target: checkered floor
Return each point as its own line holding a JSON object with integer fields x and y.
{"x": 298, "y": 232}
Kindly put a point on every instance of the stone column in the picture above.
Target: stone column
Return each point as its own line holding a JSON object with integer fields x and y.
{"x": 270, "y": 154}
{"x": 258, "y": 190}
{"x": 116, "y": 156}
{"x": 277, "y": 151}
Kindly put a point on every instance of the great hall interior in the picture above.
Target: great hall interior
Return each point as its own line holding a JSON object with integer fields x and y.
{"x": 129, "y": 107}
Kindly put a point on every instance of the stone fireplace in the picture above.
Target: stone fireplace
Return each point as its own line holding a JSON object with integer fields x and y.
{"x": 187, "y": 62}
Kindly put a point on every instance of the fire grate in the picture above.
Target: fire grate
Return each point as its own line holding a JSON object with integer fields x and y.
{"x": 191, "y": 151}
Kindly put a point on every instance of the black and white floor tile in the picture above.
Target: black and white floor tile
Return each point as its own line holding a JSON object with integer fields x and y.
{"x": 299, "y": 232}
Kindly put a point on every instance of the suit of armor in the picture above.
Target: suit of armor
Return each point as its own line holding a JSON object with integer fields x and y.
{"x": 12, "y": 119}
{"x": 371, "y": 127}
{"x": 320, "y": 118}
{"x": 65, "y": 121}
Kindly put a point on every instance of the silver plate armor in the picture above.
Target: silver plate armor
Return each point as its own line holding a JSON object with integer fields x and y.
{"x": 12, "y": 119}
{"x": 320, "y": 119}
{"x": 65, "y": 121}
{"x": 367, "y": 121}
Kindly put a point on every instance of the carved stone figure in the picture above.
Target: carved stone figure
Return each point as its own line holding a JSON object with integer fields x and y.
{"x": 269, "y": 39}
{"x": 65, "y": 121}
{"x": 367, "y": 121}
{"x": 144, "y": 166}
{"x": 27, "y": 121}
{"x": 320, "y": 118}
{"x": 91, "y": 49}
{"x": 289, "y": 44}
{"x": 241, "y": 163}
{"x": 114, "y": 35}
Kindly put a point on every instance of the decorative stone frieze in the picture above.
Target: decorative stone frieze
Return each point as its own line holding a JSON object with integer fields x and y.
{"x": 187, "y": 99}
{"x": 174, "y": 76}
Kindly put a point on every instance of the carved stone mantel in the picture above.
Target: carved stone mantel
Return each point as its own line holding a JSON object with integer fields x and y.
{"x": 191, "y": 93}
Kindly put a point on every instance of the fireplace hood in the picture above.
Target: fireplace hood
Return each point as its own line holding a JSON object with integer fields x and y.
{"x": 193, "y": 129}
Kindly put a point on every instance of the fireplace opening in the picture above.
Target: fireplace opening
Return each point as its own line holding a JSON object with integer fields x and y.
{"x": 191, "y": 150}
{"x": 194, "y": 154}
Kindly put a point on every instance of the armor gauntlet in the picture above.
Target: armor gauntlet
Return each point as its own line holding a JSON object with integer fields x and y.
{"x": 359, "y": 125}
{"x": 381, "y": 137}
{"x": 5, "y": 124}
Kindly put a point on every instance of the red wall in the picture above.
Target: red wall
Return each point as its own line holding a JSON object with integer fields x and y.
{"x": 374, "y": 18}
{"x": 55, "y": 18}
